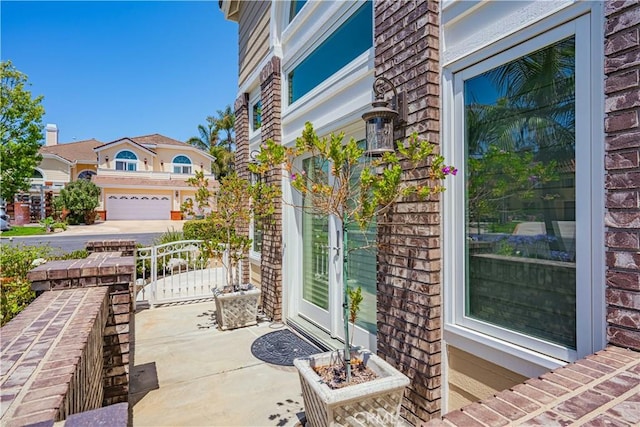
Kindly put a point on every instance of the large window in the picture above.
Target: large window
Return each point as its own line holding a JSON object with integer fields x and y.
{"x": 256, "y": 116}
{"x": 126, "y": 161}
{"x": 181, "y": 164}
{"x": 351, "y": 39}
{"x": 525, "y": 236}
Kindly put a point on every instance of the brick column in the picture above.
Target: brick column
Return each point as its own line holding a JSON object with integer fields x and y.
{"x": 241, "y": 109}
{"x": 271, "y": 259}
{"x": 409, "y": 259}
{"x": 101, "y": 269}
{"x": 622, "y": 162}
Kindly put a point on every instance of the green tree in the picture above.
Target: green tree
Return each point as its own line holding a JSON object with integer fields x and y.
{"x": 226, "y": 122}
{"x": 223, "y": 163}
{"x": 20, "y": 130}
{"x": 80, "y": 198}
{"x": 208, "y": 135}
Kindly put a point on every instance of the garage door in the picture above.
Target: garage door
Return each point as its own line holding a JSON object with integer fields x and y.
{"x": 126, "y": 206}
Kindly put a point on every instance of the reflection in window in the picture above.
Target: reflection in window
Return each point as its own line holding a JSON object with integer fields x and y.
{"x": 520, "y": 199}
{"x": 257, "y": 115}
{"x": 181, "y": 164}
{"x": 126, "y": 161}
{"x": 351, "y": 39}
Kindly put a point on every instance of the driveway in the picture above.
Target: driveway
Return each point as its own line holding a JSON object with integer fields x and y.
{"x": 117, "y": 227}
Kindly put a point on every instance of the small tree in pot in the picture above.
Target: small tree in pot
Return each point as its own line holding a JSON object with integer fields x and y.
{"x": 237, "y": 202}
{"x": 356, "y": 190}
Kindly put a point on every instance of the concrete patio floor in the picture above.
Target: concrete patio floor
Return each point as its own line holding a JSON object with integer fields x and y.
{"x": 188, "y": 373}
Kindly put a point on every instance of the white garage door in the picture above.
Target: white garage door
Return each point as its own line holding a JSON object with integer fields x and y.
{"x": 127, "y": 206}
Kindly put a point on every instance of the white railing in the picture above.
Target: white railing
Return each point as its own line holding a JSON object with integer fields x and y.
{"x": 178, "y": 271}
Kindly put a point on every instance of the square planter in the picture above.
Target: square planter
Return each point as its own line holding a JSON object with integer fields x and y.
{"x": 375, "y": 402}
{"x": 237, "y": 309}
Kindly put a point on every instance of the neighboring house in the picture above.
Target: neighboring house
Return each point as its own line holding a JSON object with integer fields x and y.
{"x": 462, "y": 306}
{"x": 141, "y": 177}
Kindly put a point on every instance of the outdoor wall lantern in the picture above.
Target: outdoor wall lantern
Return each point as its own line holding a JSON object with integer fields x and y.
{"x": 177, "y": 194}
{"x": 253, "y": 156}
{"x": 384, "y": 124}
{"x": 106, "y": 159}
{"x": 161, "y": 163}
{"x": 145, "y": 161}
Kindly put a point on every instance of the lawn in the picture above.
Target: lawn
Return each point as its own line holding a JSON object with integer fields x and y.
{"x": 17, "y": 231}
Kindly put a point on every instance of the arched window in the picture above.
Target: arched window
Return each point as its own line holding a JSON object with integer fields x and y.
{"x": 181, "y": 164}
{"x": 126, "y": 161}
{"x": 37, "y": 174}
{"x": 86, "y": 174}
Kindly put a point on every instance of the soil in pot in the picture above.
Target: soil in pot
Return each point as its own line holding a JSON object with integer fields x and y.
{"x": 334, "y": 375}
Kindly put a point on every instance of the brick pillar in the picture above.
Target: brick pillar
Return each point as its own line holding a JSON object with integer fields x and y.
{"x": 271, "y": 258}
{"x": 622, "y": 183}
{"x": 241, "y": 109}
{"x": 101, "y": 269}
{"x": 409, "y": 259}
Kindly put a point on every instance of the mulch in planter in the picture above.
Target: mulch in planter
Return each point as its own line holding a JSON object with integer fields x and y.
{"x": 281, "y": 347}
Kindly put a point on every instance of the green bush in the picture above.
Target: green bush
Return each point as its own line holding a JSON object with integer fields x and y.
{"x": 169, "y": 236}
{"x": 15, "y": 296}
{"x": 80, "y": 198}
{"x": 201, "y": 229}
{"x": 15, "y": 263}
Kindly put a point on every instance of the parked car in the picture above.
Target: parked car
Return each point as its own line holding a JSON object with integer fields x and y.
{"x": 4, "y": 220}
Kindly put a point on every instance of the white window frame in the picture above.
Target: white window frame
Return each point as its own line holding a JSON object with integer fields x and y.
{"x": 253, "y": 100}
{"x": 126, "y": 162}
{"x": 513, "y": 350}
{"x": 253, "y": 254}
{"x": 182, "y": 165}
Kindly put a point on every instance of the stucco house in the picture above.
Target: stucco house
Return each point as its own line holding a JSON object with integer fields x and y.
{"x": 530, "y": 260}
{"x": 141, "y": 177}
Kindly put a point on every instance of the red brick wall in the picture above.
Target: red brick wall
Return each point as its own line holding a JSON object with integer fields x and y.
{"x": 241, "y": 109}
{"x": 409, "y": 298}
{"x": 271, "y": 257}
{"x": 622, "y": 163}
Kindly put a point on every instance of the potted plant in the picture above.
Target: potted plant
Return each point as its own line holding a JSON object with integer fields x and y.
{"x": 356, "y": 190}
{"x": 237, "y": 201}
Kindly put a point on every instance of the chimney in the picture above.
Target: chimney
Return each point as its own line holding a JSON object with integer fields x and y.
{"x": 52, "y": 135}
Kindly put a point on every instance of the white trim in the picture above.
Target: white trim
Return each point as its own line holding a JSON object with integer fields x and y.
{"x": 56, "y": 157}
{"x": 126, "y": 141}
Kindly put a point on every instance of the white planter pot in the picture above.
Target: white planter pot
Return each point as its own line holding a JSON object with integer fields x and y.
{"x": 375, "y": 402}
{"x": 237, "y": 309}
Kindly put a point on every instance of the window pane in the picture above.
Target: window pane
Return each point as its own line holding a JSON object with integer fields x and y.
{"x": 362, "y": 268}
{"x": 353, "y": 38}
{"x": 520, "y": 200}
{"x": 315, "y": 253}
{"x": 257, "y": 115}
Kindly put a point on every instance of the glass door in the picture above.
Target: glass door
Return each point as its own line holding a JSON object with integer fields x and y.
{"x": 315, "y": 296}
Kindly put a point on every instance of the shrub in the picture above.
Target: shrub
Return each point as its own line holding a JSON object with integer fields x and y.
{"x": 169, "y": 236}
{"x": 201, "y": 229}
{"x": 80, "y": 198}
{"x": 15, "y": 296}
{"x": 15, "y": 263}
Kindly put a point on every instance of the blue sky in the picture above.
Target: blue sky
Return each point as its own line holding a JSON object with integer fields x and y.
{"x": 122, "y": 68}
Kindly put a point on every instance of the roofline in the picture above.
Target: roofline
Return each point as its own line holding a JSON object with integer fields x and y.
{"x": 56, "y": 157}
{"x": 230, "y": 9}
{"x": 123, "y": 141}
{"x": 189, "y": 147}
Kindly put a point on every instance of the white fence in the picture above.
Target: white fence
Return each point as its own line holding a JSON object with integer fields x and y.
{"x": 178, "y": 271}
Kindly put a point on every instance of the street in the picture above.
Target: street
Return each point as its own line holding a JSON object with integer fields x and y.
{"x": 75, "y": 242}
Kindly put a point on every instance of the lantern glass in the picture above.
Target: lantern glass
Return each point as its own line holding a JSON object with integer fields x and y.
{"x": 379, "y": 135}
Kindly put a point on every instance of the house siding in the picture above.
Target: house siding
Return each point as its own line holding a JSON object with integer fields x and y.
{"x": 622, "y": 164}
{"x": 54, "y": 170}
{"x": 253, "y": 39}
{"x": 409, "y": 264}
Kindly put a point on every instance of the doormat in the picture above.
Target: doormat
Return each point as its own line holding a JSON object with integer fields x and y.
{"x": 281, "y": 347}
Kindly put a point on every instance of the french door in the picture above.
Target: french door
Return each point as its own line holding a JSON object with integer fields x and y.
{"x": 322, "y": 270}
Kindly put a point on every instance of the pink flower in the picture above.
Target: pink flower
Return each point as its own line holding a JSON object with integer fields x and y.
{"x": 293, "y": 176}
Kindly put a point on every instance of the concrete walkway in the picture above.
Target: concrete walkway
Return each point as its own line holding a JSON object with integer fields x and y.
{"x": 188, "y": 373}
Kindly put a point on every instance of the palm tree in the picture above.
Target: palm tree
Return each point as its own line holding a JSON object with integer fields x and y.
{"x": 226, "y": 122}
{"x": 208, "y": 135}
{"x": 223, "y": 163}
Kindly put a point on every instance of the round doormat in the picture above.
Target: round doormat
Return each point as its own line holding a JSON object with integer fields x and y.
{"x": 281, "y": 347}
